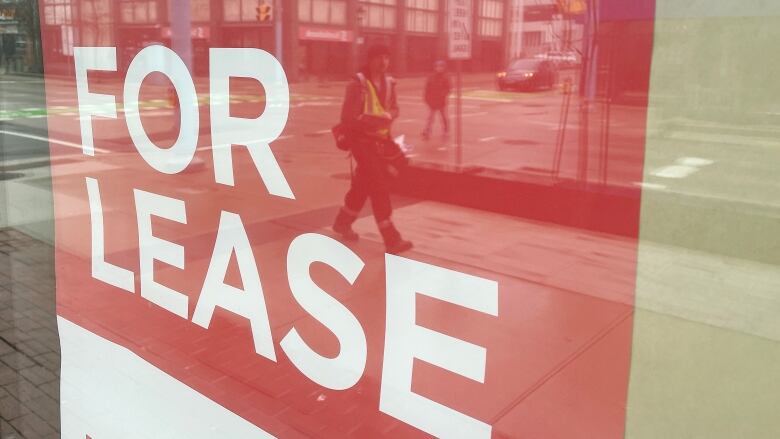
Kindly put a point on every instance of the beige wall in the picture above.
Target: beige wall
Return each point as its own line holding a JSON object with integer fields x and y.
{"x": 706, "y": 352}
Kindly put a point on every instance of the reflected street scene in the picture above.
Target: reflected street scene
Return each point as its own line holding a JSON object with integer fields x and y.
{"x": 388, "y": 219}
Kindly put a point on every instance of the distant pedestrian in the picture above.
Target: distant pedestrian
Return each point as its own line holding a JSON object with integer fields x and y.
{"x": 369, "y": 109}
{"x": 437, "y": 89}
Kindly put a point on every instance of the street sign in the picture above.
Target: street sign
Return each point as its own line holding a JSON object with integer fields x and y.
{"x": 325, "y": 34}
{"x": 459, "y": 20}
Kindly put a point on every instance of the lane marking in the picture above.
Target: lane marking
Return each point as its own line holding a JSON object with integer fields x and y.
{"x": 682, "y": 167}
{"x": 50, "y": 140}
{"x": 697, "y": 162}
{"x": 652, "y": 186}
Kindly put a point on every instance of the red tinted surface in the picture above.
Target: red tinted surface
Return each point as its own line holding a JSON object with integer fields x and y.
{"x": 544, "y": 201}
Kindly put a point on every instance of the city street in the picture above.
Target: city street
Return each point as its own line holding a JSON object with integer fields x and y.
{"x": 572, "y": 290}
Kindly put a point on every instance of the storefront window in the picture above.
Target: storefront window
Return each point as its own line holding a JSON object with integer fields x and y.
{"x": 491, "y": 14}
{"x": 97, "y": 21}
{"x": 241, "y": 10}
{"x": 138, "y": 11}
{"x": 200, "y": 10}
{"x": 58, "y": 12}
{"x": 536, "y": 219}
{"x": 322, "y": 11}
{"x": 422, "y": 15}
{"x": 378, "y": 13}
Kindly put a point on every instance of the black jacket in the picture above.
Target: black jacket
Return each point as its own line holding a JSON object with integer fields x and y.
{"x": 437, "y": 88}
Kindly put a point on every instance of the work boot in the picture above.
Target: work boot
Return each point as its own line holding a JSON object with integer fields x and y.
{"x": 343, "y": 225}
{"x": 394, "y": 244}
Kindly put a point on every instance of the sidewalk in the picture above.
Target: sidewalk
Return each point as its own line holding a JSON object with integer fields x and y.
{"x": 541, "y": 263}
{"x": 29, "y": 346}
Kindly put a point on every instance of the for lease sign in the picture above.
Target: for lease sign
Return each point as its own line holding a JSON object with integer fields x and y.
{"x": 405, "y": 340}
{"x": 201, "y": 293}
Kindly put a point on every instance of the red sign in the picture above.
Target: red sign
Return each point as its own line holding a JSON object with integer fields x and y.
{"x": 208, "y": 285}
{"x": 325, "y": 34}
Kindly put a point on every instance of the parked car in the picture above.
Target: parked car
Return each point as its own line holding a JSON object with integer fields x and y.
{"x": 527, "y": 74}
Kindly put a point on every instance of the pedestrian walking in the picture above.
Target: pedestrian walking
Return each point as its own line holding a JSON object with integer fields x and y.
{"x": 369, "y": 109}
{"x": 437, "y": 89}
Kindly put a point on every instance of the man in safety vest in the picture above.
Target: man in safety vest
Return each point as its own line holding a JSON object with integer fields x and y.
{"x": 369, "y": 109}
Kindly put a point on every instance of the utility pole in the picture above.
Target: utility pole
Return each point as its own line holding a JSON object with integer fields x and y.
{"x": 459, "y": 31}
{"x": 278, "y": 30}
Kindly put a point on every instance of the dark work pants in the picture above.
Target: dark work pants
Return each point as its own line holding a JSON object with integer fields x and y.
{"x": 370, "y": 180}
{"x": 432, "y": 115}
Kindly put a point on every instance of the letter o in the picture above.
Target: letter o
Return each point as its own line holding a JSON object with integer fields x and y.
{"x": 161, "y": 59}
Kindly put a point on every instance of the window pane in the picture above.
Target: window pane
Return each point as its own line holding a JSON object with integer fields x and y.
{"x": 200, "y": 10}
{"x": 153, "y": 11}
{"x": 320, "y": 11}
{"x": 338, "y": 12}
{"x": 375, "y": 16}
{"x": 389, "y": 21}
{"x": 304, "y": 10}
{"x": 232, "y": 10}
{"x": 248, "y": 11}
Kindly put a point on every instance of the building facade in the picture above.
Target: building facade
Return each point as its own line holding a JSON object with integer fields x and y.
{"x": 320, "y": 39}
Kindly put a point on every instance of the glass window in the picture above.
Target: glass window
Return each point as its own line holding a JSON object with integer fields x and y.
{"x": 322, "y": 11}
{"x": 304, "y": 10}
{"x": 338, "y": 12}
{"x": 242, "y": 10}
{"x": 200, "y": 10}
{"x": 58, "y": 11}
{"x": 597, "y": 214}
{"x": 378, "y": 13}
{"x": 490, "y": 23}
{"x": 422, "y": 16}
{"x": 97, "y": 19}
{"x": 138, "y": 11}
{"x": 232, "y": 10}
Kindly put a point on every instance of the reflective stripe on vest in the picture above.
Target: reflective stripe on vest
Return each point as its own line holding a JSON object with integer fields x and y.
{"x": 372, "y": 105}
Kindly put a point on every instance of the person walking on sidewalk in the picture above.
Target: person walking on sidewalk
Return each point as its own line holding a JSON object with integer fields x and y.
{"x": 437, "y": 89}
{"x": 369, "y": 109}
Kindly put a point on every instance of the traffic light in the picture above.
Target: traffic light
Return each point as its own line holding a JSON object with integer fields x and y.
{"x": 264, "y": 12}
{"x": 572, "y": 7}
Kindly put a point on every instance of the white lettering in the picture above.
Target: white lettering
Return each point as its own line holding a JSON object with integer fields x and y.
{"x": 92, "y": 104}
{"x": 152, "y": 248}
{"x": 164, "y": 60}
{"x": 343, "y": 371}
{"x": 249, "y": 302}
{"x": 405, "y": 341}
{"x": 256, "y": 134}
{"x": 102, "y": 270}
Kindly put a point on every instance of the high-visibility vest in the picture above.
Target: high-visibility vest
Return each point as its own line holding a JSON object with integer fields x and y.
{"x": 372, "y": 105}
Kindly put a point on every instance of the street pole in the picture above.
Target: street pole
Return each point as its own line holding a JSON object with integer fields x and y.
{"x": 278, "y": 30}
{"x": 459, "y": 115}
{"x": 181, "y": 39}
{"x": 459, "y": 18}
